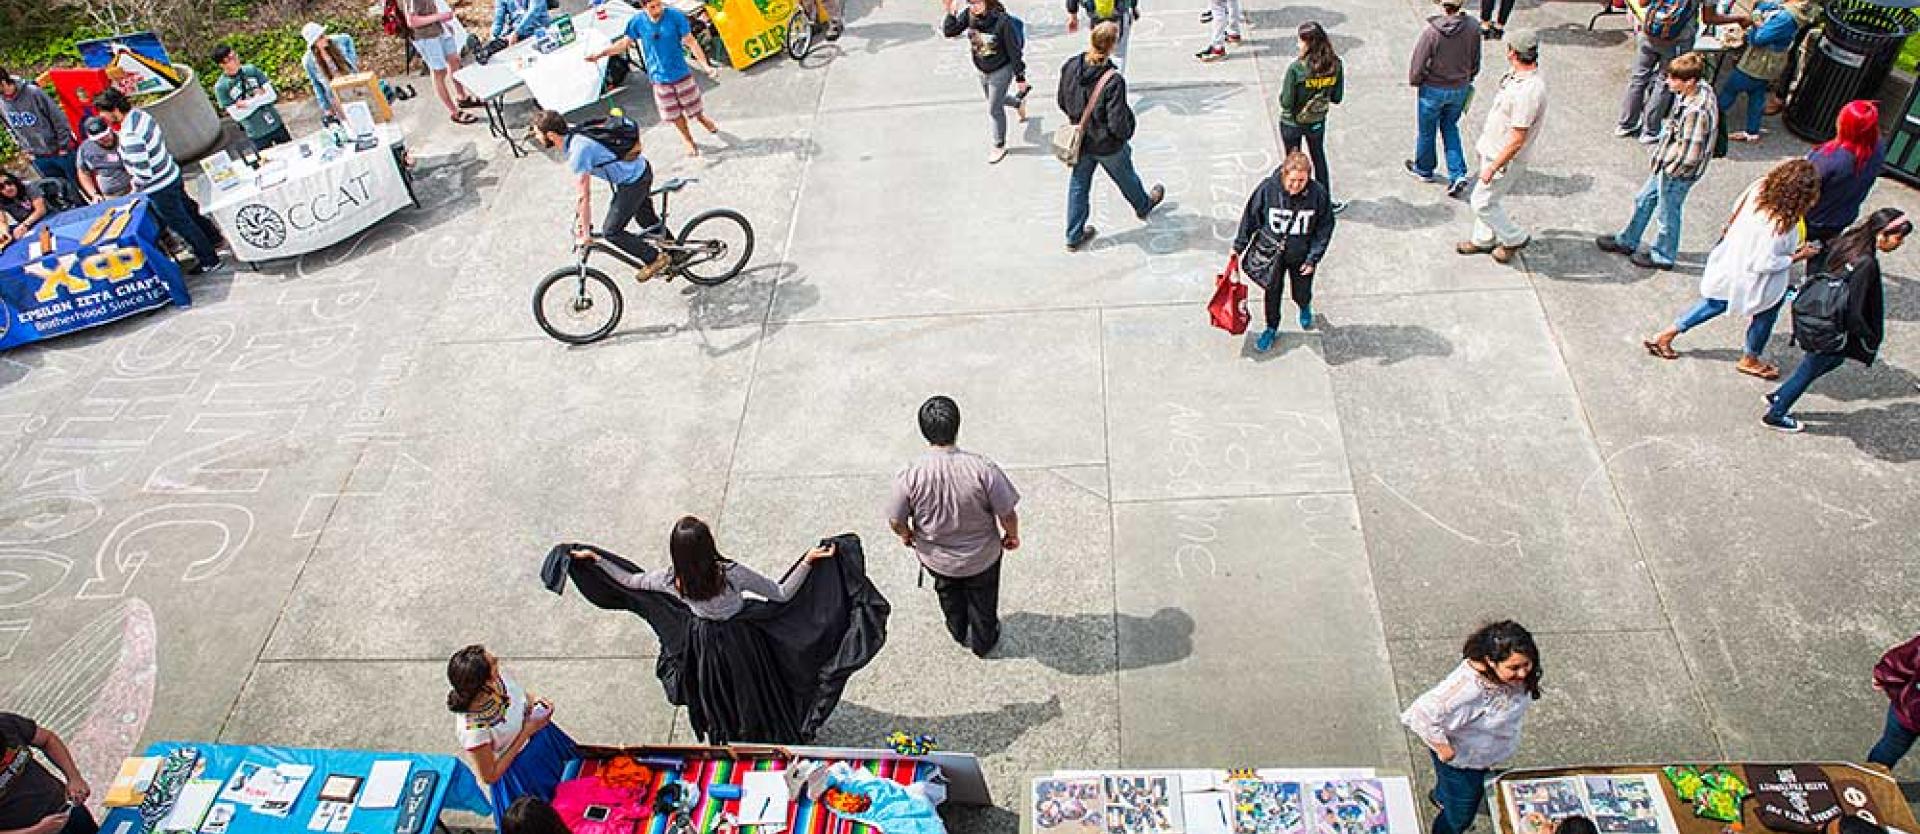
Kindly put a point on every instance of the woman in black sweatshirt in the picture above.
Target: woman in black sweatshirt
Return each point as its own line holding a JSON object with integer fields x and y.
{"x": 997, "y": 42}
{"x": 1109, "y": 125}
{"x": 1855, "y": 254}
{"x": 1284, "y": 232}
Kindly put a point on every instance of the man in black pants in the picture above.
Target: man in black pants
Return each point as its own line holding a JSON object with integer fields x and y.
{"x": 632, "y": 182}
{"x": 32, "y": 799}
{"x": 956, "y": 510}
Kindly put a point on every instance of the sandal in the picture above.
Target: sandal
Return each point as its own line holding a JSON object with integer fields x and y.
{"x": 1763, "y": 371}
{"x": 470, "y": 103}
{"x": 463, "y": 118}
{"x": 1660, "y": 350}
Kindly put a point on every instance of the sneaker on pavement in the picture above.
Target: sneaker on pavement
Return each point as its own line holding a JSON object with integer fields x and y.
{"x": 1612, "y": 245}
{"x": 204, "y": 268}
{"x": 1458, "y": 188}
{"x": 835, "y": 30}
{"x": 1624, "y": 132}
{"x": 1339, "y": 206}
{"x": 1211, "y": 54}
{"x": 1649, "y": 138}
{"x": 1415, "y": 172}
{"x": 659, "y": 262}
{"x": 1646, "y": 261}
{"x": 998, "y": 153}
{"x": 1155, "y": 196}
{"x": 1233, "y": 38}
{"x": 1206, "y": 15}
{"x": 1264, "y": 342}
{"x": 1306, "y": 318}
{"x": 1086, "y": 234}
{"x": 1785, "y": 424}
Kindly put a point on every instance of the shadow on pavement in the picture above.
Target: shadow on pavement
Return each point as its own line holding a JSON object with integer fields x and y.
{"x": 1902, "y": 297}
{"x": 1534, "y": 183}
{"x": 1569, "y": 255}
{"x": 1396, "y": 214}
{"x": 983, "y": 819}
{"x": 1079, "y": 644}
{"x": 983, "y": 734}
{"x": 1891, "y": 433}
{"x": 1387, "y": 344}
{"x": 1577, "y": 34}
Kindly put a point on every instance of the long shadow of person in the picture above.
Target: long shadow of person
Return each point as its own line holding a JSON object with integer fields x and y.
{"x": 1891, "y": 433}
{"x": 1083, "y": 644}
{"x": 986, "y": 733}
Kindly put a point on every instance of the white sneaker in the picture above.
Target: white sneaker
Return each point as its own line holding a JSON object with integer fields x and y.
{"x": 996, "y": 154}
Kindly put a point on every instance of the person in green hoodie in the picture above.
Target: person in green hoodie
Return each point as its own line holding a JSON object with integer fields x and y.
{"x": 1315, "y": 82}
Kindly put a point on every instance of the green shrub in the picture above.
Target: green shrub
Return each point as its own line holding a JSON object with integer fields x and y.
{"x": 277, "y": 52}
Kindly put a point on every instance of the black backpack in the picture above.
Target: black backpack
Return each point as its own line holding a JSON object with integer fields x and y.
{"x": 618, "y": 134}
{"x": 1820, "y": 312}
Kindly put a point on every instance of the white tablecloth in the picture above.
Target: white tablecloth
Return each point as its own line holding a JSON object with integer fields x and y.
{"x": 320, "y": 202}
{"x": 560, "y": 80}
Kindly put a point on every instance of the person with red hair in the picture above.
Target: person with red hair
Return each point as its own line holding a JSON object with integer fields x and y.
{"x": 1848, "y": 165}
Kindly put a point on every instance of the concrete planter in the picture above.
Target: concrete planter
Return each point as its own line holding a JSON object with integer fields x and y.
{"x": 187, "y": 119}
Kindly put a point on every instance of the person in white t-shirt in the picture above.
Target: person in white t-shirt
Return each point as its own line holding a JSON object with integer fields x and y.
{"x": 1506, "y": 141}
{"x": 507, "y": 737}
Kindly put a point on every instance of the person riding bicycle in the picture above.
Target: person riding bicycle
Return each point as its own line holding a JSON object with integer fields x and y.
{"x": 833, "y": 11}
{"x": 632, "y": 181}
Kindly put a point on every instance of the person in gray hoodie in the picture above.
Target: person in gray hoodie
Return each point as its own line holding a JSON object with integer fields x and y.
{"x": 1445, "y": 60}
{"x": 39, "y": 127}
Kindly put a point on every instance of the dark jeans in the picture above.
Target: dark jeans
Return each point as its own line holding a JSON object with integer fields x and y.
{"x": 1895, "y": 741}
{"x": 1460, "y": 792}
{"x": 279, "y": 136}
{"x": 1316, "y": 139}
{"x": 58, "y": 167}
{"x": 633, "y": 201}
{"x": 1486, "y": 11}
{"x": 1119, "y": 168}
{"x": 1812, "y": 366}
{"x": 1302, "y": 285}
{"x": 179, "y": 213}
{"x": 1759, "y": 328}
{"x": 972, "y": 606}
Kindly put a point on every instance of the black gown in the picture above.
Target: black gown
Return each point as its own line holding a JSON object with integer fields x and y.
{"x": 770, "y": 674}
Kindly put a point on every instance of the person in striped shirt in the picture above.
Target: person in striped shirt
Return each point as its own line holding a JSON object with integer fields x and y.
{"x": 155, "y": 174}
{"x": 1680, "y": 157}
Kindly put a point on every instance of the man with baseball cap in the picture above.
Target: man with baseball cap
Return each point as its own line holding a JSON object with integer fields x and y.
{"x": 103, "y": 175}
{"x": 1505, "y": 143}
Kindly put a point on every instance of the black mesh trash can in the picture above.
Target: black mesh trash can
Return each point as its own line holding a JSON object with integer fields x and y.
{"x": 1849, "y": 59}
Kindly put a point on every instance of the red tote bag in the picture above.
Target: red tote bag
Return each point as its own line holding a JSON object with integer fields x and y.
{"x": 1228, "y": 309}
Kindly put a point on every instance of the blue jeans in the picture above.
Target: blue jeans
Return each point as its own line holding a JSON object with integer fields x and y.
{"x": 1460, "y": 792}
{"x": 1812, "y": 366}
{"x": 1739, "y": 83}
{"x": 1894, "y": 741}
{"x": 58, "y": 167}
{"x": 1668, "y": 195}
{"x": 1440, "y": 110}
{"x": 1758, "y": 330}
{"x": 1119, "y": 167}
{"x": 181, "y": 214}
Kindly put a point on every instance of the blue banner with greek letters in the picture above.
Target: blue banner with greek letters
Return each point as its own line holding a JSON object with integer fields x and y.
{"x": 105, "y": 263}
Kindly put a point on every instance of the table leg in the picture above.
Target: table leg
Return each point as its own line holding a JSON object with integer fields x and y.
{"x": 506, "y": 133}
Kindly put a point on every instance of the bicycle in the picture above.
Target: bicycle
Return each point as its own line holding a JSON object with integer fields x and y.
{"x": 579, "y": 304}
{"x": 809, "y": 17}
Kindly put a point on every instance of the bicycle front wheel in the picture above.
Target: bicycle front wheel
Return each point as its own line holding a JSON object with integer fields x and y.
{"x": 718, "y": 243}
{"x": 799, "y": 33}
{"x": 577, "y": 304}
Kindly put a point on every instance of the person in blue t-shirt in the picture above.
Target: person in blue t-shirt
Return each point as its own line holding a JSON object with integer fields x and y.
{"x": 632, "y": 182}
{"x": 664, "y": 35}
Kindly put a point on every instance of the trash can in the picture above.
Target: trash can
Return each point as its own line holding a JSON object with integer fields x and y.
{"x": 1848, "y": 59}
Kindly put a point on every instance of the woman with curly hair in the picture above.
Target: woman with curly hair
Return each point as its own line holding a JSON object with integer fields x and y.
{"x": 1747, "y": 270}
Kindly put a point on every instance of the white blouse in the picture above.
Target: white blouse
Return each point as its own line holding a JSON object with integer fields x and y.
{"x": 1750, "y": 267}
{"x": 497, "y": 723}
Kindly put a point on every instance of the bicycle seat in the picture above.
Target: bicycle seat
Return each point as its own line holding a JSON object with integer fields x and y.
{"x": 673, "y": 185}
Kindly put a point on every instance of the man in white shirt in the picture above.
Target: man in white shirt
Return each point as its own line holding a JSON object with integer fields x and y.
{"x": 1507, "y": 140}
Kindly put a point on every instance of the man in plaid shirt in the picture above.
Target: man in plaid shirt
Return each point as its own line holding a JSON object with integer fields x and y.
{"x": 1680, "y": 156}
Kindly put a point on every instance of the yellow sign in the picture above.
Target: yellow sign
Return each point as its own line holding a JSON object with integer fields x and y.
{"x": 750, "y": 29}
{"x": 113, "y": 264}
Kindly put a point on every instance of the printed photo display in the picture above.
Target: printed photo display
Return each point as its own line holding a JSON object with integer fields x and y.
{"x": 1616, "y": 804}
{"x": 1069, "y": 806}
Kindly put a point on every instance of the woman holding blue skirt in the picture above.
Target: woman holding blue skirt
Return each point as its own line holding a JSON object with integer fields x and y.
{"x": 508, "y": 738}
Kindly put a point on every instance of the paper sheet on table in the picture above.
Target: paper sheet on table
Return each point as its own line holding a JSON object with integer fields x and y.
{"x": 1206, "y": 813}
{"x": 764, "y": 797}
{"x": 562, "y": 80}
{"x": 190, "y": 805}
{"x": 384, "y": 784}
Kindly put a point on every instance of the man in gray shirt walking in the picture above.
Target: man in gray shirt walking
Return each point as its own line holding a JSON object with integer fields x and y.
{"x": 956, "y": 510}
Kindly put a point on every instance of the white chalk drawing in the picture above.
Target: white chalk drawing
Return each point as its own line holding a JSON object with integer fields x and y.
{"x": 27, "y": 576}
{"x": 199, "y": 469}
{"x": 1507, "y": 539}
{"x": 95, "y": 690}
{"x": 47, "y": 517}
{"x": 125, "y": 552}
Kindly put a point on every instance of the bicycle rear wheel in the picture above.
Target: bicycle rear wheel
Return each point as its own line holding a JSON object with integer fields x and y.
{"x": 799, "y": 32}
{"x": 577, "y": 305}
{"x": 719, "y": 242}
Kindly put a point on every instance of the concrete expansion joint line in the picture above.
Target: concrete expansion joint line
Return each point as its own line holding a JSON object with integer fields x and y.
{"x": 441, "y": 658}
{"x": 1232, "y": 496}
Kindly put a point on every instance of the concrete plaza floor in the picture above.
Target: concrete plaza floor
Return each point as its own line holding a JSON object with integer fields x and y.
{"x": 271, "y": 517}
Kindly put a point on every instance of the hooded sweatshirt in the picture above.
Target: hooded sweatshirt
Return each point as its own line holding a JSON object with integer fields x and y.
{"x": 1302, "y": 223}
{"x": 1111, "y": 124}
{"x": 993, "y": 38}
{"x": 1448, "y": 53}
{"x": 37, "y": 123}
